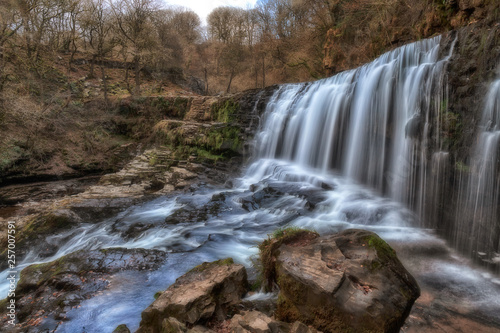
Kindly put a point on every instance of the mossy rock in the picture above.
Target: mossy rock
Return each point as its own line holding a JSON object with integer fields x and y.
{"x": 348, "y": 282}
{"x": 207, "y": 265}
{"x": 121, "y": 329}
{"x": 225, "y": 111}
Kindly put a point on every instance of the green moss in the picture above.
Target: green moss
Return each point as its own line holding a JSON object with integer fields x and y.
{"x": 47, "y": 223}
{"x": 204, "y": 154}
{"x": 225, "y": 138}
{"x": 158, "y": 294}
{"x": 384, "y": 251}
{"x": 256, "y": 285}
{"x": 207, "y": 265}
{"x": 286, "y": 310}
{"x": 286, "y": 231}
{"x": 36, "y": 275}
{"x": 225, "y": 112}
{"x": 461, "y": 166}
{"x": 121, "y": 329}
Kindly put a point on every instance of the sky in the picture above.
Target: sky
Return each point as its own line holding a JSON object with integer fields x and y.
{"x": 204, "y": 7}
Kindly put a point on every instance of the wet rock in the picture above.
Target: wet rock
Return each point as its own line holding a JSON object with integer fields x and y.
{"x": 351, "y": 281}
{"x": 46, "y": 292}
{"x": 121, "y": 329}
{"x": 207, "y": 291}
{"x": 195, "y": 212}
{"x": 256, "y": 322}
{"x": 172, "y": 325}
{"x": 264, "y": 196}
{"x": 413, "y": 128}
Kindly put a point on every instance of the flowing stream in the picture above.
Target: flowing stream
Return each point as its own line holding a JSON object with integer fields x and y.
{"x": 351, "y": 151}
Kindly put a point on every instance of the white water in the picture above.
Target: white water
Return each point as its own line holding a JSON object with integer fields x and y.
{"x": 478, "y": 230}
{"x": 344, "y": 142}
{"x": 370, "y": 124}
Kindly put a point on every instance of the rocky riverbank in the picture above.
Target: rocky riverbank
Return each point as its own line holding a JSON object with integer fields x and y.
{"x": 344, "y": 282}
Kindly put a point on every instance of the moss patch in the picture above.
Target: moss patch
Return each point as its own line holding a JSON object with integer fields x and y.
{"x": 225, "y": 112}
{"x": 384, "y": 251}
{"x": 206, "y": 265}
{"x": 34, "y": 276}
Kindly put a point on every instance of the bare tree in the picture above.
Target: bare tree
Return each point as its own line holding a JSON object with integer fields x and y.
{"x": 134, "y": 24}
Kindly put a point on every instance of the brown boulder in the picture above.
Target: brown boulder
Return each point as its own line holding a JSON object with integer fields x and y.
{"x": 348, "y": 282}
{"x": 207, "y": 291}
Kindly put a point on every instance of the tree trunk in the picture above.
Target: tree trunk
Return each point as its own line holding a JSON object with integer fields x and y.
{"x": 72, "y": 57}
{"x": 230, "y": 81}
{"x": 127, "y": 84}
{"x": 92, "y": 63}
{"x": 137, "y": 88}
{"x": 205, "y": 70}
{"x": 263, "y": 71}
{"x": 104, "y": 83}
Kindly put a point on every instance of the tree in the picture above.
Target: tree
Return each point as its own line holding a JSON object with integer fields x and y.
{"x": 10, "y": 23}
{"x": 96, "y": 24}
{"x": 134, "y": 24}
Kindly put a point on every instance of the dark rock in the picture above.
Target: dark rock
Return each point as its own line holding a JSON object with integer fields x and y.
{"x": 350, "y": 281}
{"x": 206, "y": 292}
{"x": 413, "y": 128}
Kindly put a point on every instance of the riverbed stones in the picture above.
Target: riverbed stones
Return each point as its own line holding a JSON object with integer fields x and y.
{"x": 208, "y": 291}
{"x": 347, "y": 282}
{"x": 46, "y": 292}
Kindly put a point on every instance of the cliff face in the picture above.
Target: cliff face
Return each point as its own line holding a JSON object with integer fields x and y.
{"x": 471, "y": 227}
{"x": 444, "y": 145}
{"x": 393, "y": 23}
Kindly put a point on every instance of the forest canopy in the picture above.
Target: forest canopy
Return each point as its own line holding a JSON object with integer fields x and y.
{"x": 277, "y": 41}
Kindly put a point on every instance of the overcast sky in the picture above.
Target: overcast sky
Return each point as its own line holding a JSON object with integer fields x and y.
{"x": 204, "y": 7}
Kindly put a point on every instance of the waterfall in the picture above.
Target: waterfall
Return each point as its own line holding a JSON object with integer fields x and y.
{"x": 376, "y": 125}
{"x": 478, "y": 230}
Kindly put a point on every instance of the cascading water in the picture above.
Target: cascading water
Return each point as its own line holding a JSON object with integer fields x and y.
{"x": 318, "y": 143}
{"x": 374, "y": 124}
{"x": 478, "y": 225}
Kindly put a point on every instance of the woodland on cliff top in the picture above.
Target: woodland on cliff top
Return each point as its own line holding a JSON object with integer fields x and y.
{"x": 66, "y": 64}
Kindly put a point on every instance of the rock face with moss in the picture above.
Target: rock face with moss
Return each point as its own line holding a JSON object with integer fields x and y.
{"x": 348, "y": 282}
{"x": 206, "y": 292}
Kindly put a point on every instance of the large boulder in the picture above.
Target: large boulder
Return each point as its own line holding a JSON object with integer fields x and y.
{"x": 348, "y": 282}
{"x": 208, "y": 291}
